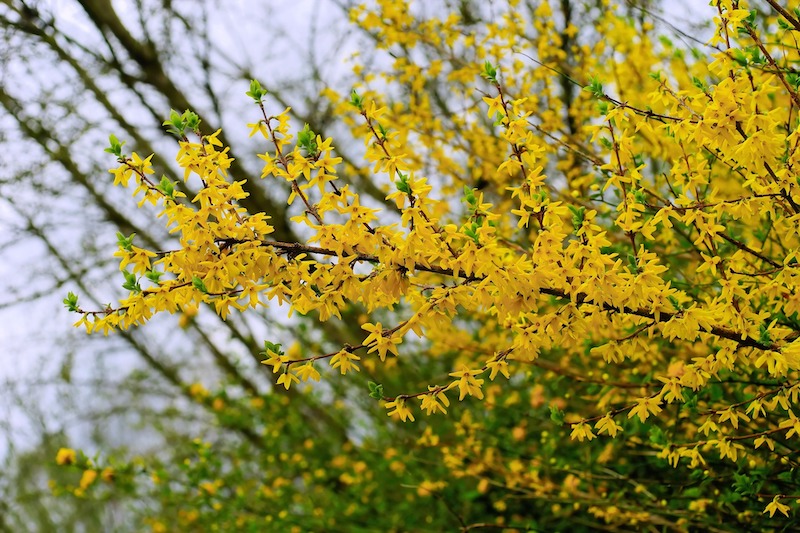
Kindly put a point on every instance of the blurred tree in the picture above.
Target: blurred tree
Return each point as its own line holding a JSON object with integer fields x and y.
{"x": 190, "y": 432}
{"x": 71, "y": 74}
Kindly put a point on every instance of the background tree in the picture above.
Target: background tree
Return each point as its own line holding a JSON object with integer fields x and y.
{"x": 327, "y": 458}
{"x": 72, "y": 73}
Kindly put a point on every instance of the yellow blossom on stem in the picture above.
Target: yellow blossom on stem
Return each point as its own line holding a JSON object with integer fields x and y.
{"x": 65, "y": 456}
{"x": 467, "y": 383}
{"x": 645, "y": 407}
{"x": 776, "y": 506}
{"x": 498, "y": 366}
{"x": 380, "y": 340}
{"x": 400, "y": 409}
{"x": 434, "y": 401}
{"x": 608, "y": 425}
{"x": 87, "y": 478}
{"x": 344, "y": 361}
{"x": 287, "y": 378}
{"x": 581, "y": 431}
{"x": 307, "y": 371}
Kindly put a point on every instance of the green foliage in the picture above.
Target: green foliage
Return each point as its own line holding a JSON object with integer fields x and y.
{"x": 179, "y": 124}
{"x": 256, "y": 92}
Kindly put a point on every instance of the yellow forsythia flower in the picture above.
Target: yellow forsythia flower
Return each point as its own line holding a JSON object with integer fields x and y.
{"x": 87, "y": 479}
{"x": 65, "y": 456}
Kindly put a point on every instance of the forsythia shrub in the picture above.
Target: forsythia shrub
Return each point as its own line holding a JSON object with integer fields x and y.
{"x": 581, "y": 294}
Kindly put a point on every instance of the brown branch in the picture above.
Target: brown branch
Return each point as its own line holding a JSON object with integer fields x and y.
{"x": 785, "y": 14}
